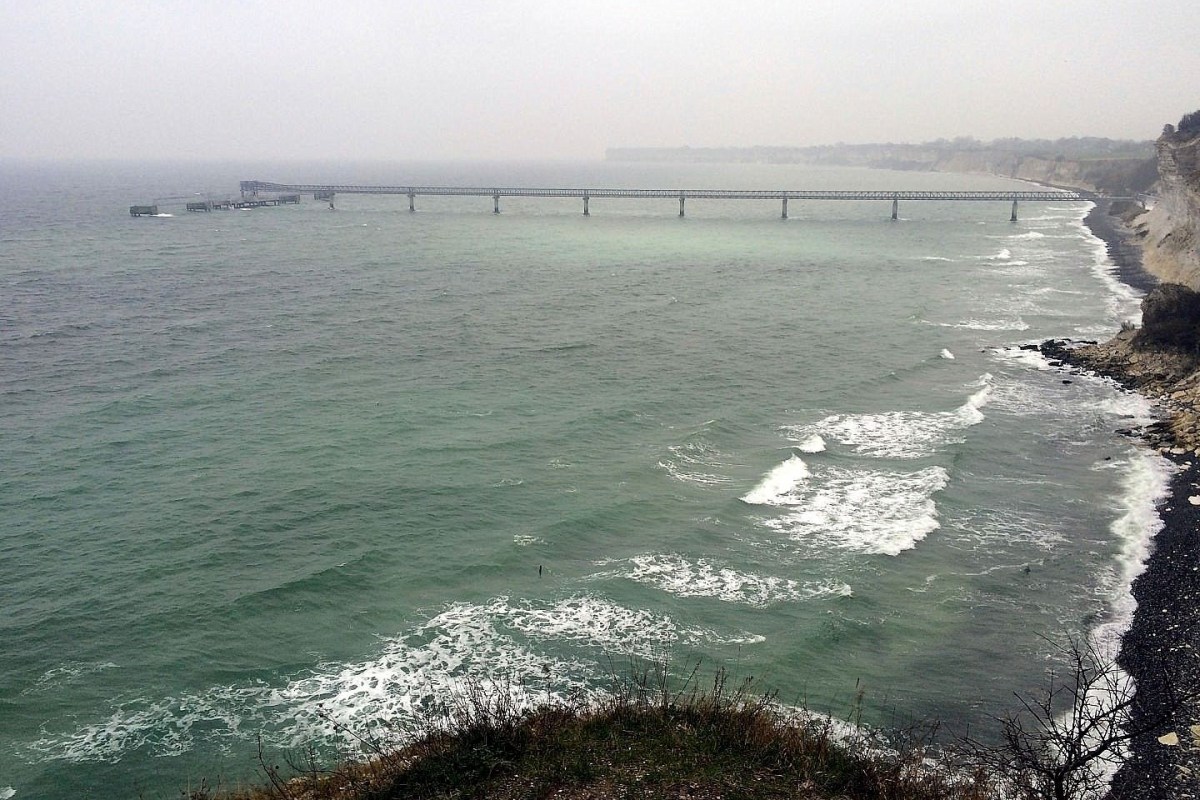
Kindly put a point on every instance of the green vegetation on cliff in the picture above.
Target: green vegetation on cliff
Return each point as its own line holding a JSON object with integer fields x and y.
{"x": 1188, "y": 126}
{"x": 646, "y": 741}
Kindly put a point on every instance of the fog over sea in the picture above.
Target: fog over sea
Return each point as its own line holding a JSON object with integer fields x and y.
{"x": 266, "y": 471}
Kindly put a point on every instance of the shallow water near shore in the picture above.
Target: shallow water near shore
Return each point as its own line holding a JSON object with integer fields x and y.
{"x": 272, "y": 470}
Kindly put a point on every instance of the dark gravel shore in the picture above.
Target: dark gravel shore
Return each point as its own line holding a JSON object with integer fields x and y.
{"x": 1161, "y": 650}
{"x": 1123, "y": 249}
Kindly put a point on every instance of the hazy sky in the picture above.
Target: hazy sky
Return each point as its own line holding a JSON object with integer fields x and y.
{"x": 410, "y": 79}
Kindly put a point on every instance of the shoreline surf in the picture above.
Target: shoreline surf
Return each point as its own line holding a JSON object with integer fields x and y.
{"x": 1159, "y": 649}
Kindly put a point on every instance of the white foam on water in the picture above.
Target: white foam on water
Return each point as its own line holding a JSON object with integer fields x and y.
{"x": 505, "y": 482}
{"x": 525, "y": 540}
{"x": 67, "y": 673}
{"x": 780, "y": 484}
{"x": 1053, "y": 290}
{"x": 1145, "y": 483}
{"x": 496, "y": 647}
{"x": 946, "y": 354}
{"x": 1027, "y": 358}
{"x": 973, "y": 324}
{"x": 996, "y": 530}
{"x": 599, "y": 623}
{"x": 864, "y": 511}
{"x": 1004, "y": 255}
{"x": 676, "y": 575}
{"x": 935, "y": 258}
{"x": 7, "y": 792}
{"x": 898, "y": 434}
{"x": 696, "y": 462}
{"x": 1094, "y": 331}
{"x": 1132, "y": 408}
{"x": 813, "y": 444}
{"x": 1127, "y": 409}
{"x": 162, "y": 725}
{"x": 1019, "y": 269}
{"x": 1124, "y": 302}
{"x": 1028, "y": 235}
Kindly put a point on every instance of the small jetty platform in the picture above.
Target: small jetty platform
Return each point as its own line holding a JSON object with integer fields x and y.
{"x": 224, "y": 204}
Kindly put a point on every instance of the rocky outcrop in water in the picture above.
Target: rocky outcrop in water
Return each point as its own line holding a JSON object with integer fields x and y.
{"x": 1161, "y": 360}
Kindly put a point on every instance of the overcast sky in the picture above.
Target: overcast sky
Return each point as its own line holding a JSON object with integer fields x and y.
{"x": 411, "y": 79}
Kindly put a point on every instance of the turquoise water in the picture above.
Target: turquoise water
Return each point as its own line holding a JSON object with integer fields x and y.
{"x": 268, "y": 469}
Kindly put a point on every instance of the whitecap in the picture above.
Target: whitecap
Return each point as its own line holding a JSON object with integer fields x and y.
{"x": 892, "y": 434}
{"x": 864, "y": 511}
{"x": 973, "y": 324}
{"x": 68, "y": 673}
{"x": 777, "y": 486}
{"x": 501, "y": 648}
{"x": 813, "y": 444}
{"x": 676, "y": 575}
{"x": 946, "y": 354}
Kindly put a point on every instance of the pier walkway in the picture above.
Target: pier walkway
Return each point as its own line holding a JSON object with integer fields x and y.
{"x": 329, "y": 191}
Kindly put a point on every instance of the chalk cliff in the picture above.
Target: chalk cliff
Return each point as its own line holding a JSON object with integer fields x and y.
{"x": 1113, "y": 176}
{"x": 1171, "y": 230}
{"x": 1162, "y": 359}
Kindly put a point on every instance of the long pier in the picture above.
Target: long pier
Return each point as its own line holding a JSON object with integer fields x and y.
{"x": 286, "y": 193}
{"x": 329, "y": 191}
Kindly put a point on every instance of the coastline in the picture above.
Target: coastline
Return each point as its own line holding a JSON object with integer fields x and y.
{"x": 1161, "y": 648}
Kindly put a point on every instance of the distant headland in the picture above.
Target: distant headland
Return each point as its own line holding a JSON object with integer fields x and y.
{"x": 1106, "y": 166}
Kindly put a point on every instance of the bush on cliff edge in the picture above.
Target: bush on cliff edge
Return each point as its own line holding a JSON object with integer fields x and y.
{"x": 1170, "y": 320}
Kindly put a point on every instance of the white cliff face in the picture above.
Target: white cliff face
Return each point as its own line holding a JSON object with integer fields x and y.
{"x": 1171, "y": 230}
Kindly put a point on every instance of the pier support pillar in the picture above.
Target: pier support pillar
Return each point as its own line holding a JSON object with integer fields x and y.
{"x": 681, "y": 199}
{"x": 1013, "y": 218}
{"x": 895, "y": 210}
{"x": 586, "y": 213}
{"x": 496, "y": 203}
{"x": 784, "y": 214}
{"x": 412, "y": 202}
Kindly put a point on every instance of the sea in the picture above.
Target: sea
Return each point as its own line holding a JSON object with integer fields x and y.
{"x": 295, "y": 477}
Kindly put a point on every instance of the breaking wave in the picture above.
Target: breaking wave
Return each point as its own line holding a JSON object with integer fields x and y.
{"x": 683, "y": 578}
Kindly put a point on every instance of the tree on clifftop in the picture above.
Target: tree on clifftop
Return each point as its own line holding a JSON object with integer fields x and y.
{"x": 1189, "y": 125}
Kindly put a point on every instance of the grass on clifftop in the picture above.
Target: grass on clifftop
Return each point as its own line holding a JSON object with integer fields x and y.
{"x": 642, "y": 741}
